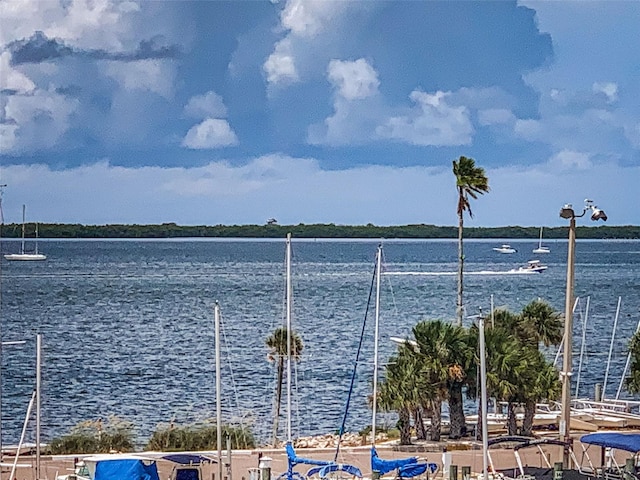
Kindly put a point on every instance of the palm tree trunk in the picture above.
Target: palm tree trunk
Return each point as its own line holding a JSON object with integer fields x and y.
{"x": 512, "y": 425}
{"x": 276, "y": 418}
{"x": 459, "y": 312}
{"x": 404, "y": 425}
{"x": 421, "y": 432}
{"x": 527, "y": 422}
{"x": 436, "y": 420}
{"x": 456, "y": 411}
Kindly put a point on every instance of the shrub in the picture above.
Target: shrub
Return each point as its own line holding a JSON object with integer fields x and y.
{"x": 95, "y": 436}
{"x": 202, "y": 436}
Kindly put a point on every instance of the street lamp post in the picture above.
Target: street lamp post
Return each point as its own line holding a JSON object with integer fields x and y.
{"x": 567, "y": 212}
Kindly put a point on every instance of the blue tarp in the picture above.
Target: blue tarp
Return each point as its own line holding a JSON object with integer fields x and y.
{"x": 127, "y": 469}
{"x": 414, "y": 469}
{"x": 337, "y": 467}
{"x": 188, "y": 459}
{"x": 386, "y": 466}
{"x": 620, "y": 441}
{"x": 295, "y": 460}
{"x": 406, "y": 467}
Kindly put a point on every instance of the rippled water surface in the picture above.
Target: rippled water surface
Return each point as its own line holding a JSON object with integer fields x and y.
{"x": 128, "y": 325}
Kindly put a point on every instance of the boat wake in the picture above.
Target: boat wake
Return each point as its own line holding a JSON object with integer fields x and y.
{"x": 481, "y": 272}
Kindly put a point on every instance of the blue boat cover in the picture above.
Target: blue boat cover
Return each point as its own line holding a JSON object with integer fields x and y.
{"x": 406, "y": 467}
{"x": 621, "y": 441}
{"x": 386, "y": 466}
{"x": 295, "y": 460}
{"x": 188, "y": 459}
{"x": 127, "y": 469}
{"x": 337, "y": 467}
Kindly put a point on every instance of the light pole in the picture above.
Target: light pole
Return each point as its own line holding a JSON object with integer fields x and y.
{"x": 567, "y": 212}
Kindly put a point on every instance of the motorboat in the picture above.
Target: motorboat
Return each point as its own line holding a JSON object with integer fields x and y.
{"x": 532, "y": 266}
{"x": 505, "y": 249}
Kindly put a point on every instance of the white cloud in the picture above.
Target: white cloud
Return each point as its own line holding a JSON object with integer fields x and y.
{"x": 495, "y": 116}
{"x": 432, "y": 122}
{"x": 303, "y": 23}
{"x": 280, "y": 67}
{"x": 211, "y": 133}
{"x": 11, "y": 79}
{"x": 208, "y": 105}
{"x": 610, "y": 90}
{"x": 354, "y": 80}
{"x": 568, "y": 160}
{"x": 38, "y": 120}
{"x": 264, "y": 187}
{"x": 146, "y": 75}
{"x": 7, "y": 137}
{"x": 308, "y": 17}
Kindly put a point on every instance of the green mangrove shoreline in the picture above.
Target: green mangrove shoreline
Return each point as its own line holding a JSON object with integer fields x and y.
{"x": 319, "y": 230}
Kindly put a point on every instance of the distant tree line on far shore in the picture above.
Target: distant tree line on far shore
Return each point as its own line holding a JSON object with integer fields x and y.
{"x": 319, "y": 230}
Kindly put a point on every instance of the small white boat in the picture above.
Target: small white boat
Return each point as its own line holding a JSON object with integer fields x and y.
{"x": 26, "y": 256}
{"x": 532, "y": 266}
{"x": 541, "y": 248}
{"x": 505, "y": 249}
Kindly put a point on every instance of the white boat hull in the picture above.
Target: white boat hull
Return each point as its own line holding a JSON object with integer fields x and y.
{"x": 25, "y": 257}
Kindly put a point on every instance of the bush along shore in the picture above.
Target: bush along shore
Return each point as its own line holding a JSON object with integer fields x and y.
{"x": 323, "y": 230}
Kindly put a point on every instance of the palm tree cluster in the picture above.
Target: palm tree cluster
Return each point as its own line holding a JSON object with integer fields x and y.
{"x": 442, "y": 365}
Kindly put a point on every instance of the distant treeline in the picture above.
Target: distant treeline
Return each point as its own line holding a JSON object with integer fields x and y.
{"x": 328, "y": 230}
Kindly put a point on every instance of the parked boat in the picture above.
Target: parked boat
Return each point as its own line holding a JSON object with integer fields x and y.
{"x": 24, "y": 255}
{"x": 541, "y": 248}
{"x": 505, "y": 248}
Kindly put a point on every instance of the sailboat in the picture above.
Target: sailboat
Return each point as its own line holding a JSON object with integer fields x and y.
{"x": 26, "y": 256}
{"x": 541, "y": 248}
{"x": 322, "y": 468}
{"x": 404, "y": 467}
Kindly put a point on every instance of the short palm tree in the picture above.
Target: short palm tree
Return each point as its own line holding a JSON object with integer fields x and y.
{"x": 632, "y": 382}
{"x": 542, "y": 322}
{"x": 544, "y": 384}
{"x": 278, "y": 351}
{"x": 446, "y": 355}
{"x": 403, "y": 389}
{"x": 471, "y": 181}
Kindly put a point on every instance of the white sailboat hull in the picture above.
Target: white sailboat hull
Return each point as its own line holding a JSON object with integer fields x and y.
{"x": 25, "y": 257}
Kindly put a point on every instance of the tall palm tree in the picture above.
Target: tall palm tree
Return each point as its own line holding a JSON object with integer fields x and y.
{"x": 278, "y": 351}
{"x": 471, "y": 181}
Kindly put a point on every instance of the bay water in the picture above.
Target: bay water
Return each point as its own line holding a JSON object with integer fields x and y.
{"x": 127, "y": 325}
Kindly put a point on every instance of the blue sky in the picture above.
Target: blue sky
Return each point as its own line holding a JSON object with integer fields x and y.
{"x": 349, "y": 112}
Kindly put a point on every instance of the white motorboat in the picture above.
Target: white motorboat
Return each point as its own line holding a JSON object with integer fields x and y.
{"x": 532, "y": 266}
{"x": 23, "y": 255}
{"x": 541, "y": 248}
{"x": 505, "y": 249}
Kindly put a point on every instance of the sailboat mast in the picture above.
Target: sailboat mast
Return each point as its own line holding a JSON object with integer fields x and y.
{"x": 540, "y": 242}
{"x": 483, "y": 399}
{"x": 289, "y": 294}
{"x": 24, "y": 207}
{"x": 375, "y": 346}
{"x": 216, "y": 316}
{"x": 36, "y": 238}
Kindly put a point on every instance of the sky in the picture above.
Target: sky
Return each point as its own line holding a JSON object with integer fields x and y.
{"x": 308, "y": 111}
